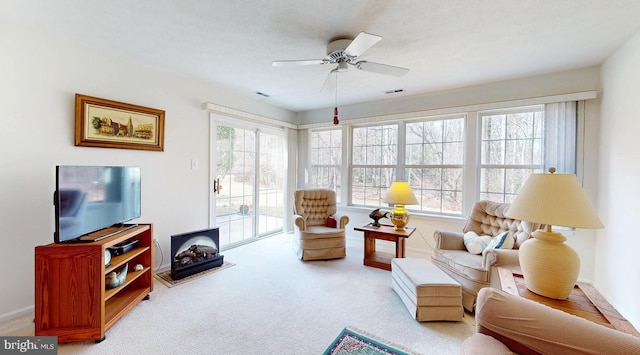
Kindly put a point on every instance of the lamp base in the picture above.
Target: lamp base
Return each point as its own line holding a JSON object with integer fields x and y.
{"x": 399, "y": 217}
{"x": 549, "y": 266}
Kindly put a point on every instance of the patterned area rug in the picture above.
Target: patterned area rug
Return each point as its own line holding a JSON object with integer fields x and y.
{"x": 353, "y": 341}
{"x": 165, "y": 276}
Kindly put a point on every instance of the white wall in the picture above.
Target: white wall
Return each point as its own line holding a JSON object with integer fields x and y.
{"x": 618, "y": 264}
{"x": 525, "y": 88}
{"x": 39, "y": 76}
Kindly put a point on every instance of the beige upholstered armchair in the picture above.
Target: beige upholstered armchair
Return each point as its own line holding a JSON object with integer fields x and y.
{"x": 319, "y": 232}
{"x": 473, "y": 271}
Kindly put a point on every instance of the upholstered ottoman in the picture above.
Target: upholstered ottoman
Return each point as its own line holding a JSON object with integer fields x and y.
{"x": 428, "y": 292}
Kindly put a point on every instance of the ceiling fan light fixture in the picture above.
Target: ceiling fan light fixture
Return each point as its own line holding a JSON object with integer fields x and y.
{"x": 345, "y": 52}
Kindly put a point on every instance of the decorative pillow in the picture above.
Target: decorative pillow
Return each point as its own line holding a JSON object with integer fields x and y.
{"x": 331, "y": 222}
{"x": 502, "y": 241}
{"x": 476, "y": 244}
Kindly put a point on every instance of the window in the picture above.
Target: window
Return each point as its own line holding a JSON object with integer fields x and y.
{"x": 511, "y": 146}
{"x": 434, "y": 155}
{"x": 435, "y": 164}
{"x": 326, "y": 159}
{"x": 374, "y": 163}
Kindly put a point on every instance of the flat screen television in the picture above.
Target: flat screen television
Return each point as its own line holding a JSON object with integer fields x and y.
{"x": 88, "y": 199}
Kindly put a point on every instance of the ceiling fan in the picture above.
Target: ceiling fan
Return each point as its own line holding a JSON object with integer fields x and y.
{"x": 345, "y": 52}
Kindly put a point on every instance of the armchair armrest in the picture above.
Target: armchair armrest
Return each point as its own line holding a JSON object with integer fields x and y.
{"x": 500, "y": 258}
{"x": 299, "y": 221}
{"x": 342, "y": 220}
{"x": 528, "y": 327}
{"x": 493, "y": 259}
{"x": 449, "y": 240}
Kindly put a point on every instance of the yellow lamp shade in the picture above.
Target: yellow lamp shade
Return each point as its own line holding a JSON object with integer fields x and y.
{"x": 400, "y": 194}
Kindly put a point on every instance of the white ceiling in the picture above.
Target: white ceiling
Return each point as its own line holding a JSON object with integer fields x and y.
{"x": 446, "y": 44}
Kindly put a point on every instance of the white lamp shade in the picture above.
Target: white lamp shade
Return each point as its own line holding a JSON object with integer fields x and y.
{"x": 555, "y": 200}
{"x": 400, "y": 193}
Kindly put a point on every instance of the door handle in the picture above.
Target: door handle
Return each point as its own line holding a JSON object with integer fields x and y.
{"x": 216, "y": 186}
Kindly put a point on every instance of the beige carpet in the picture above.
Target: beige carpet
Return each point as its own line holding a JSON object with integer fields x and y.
{"x": 167, "y": 280}
{"x": 269, "y": 303}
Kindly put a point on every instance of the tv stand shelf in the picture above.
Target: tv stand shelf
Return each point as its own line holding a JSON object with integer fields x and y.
{"x": 71, "y": 300}
{"x": 131, "y": 276}
{"x": 119, "y": 260}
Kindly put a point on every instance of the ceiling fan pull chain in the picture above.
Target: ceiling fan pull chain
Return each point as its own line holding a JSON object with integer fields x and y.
{"x": 336, "y": 121}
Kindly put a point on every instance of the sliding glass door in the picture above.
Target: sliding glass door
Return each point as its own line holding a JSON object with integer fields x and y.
{"x": 271, "y": 175}
{"x": 248, "y": 183}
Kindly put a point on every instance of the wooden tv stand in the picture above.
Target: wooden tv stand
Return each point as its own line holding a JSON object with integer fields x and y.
{"x": 71, "y": 301}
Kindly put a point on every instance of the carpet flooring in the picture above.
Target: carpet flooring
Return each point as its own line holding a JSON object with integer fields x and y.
{"x": 270, "y": 302}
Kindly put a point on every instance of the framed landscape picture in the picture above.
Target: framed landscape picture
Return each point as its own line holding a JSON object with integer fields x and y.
{"x": 111, "y": 124}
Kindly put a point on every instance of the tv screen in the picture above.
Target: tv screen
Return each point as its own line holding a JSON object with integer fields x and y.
{"x": 90, "y": 198}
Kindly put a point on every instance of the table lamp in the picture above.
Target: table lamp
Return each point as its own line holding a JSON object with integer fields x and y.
{"x": 400, "y": 194}
{"x": 550, "y": 267}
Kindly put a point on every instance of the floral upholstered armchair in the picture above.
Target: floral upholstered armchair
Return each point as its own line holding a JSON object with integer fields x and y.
{"x": 319, "y": 231}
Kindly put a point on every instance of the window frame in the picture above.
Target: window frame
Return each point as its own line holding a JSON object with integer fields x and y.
{"x": 461, "y": 165}
{"x": 378, "y": 190}
{"x": 533, "y": 167}
{"x": 472, "y": 143}
{"x": 336, "y": 167}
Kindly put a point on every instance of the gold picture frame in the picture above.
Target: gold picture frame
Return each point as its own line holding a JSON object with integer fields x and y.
{"x": 111, "y": 124}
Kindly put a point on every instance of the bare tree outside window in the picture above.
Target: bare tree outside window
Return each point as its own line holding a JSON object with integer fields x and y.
{"x": 430, "y": 153}
{"x": 235, "y": 166}
{"x": 326, "y": 159}
{"x": 512, "y": 146}
{"x": 374, "y": 162}
{"x": 434, "y": 164}
{"x": 272, "y": 175}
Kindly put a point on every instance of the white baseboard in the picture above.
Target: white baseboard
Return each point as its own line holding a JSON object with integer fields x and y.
{"x": 17, "y": 313}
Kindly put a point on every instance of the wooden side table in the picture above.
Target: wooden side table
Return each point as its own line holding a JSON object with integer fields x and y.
{"x": 584, "y": 301}
{"x": 383, "y": 232}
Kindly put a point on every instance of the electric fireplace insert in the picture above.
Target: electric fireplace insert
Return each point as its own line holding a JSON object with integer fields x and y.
{"x": 194, "y": 252}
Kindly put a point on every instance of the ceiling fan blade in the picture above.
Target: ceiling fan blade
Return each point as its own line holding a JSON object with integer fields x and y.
{"x": 330, "y": 82}
{"x": 381, "y": 68}
{"x": 361, "y": 43}
{"x": 283, "y": 63}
